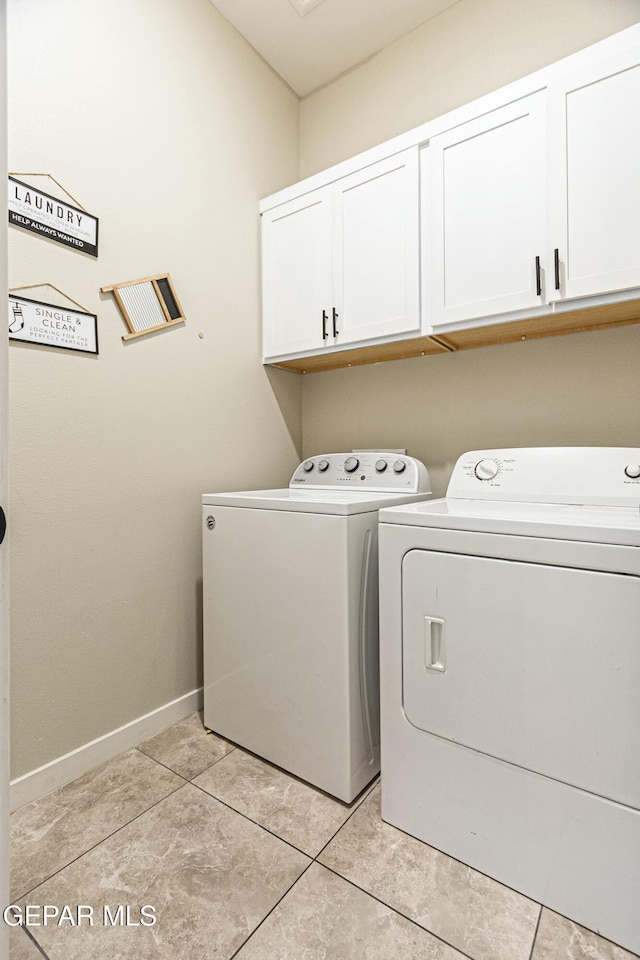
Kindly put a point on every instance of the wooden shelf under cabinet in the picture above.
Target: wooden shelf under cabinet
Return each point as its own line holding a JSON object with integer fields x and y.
{"x": 553, "y": 325}
{"x": 397, "y": 350}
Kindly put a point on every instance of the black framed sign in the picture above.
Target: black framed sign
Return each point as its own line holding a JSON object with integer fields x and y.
{"x": 35, "y": 322}
{"x": 50, "y": 217}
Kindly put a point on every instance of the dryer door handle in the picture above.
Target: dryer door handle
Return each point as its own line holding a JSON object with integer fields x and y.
{"x": 434, "y": 644}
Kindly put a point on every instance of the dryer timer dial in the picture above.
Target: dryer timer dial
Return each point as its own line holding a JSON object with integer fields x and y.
{"x": 486, "y": 469}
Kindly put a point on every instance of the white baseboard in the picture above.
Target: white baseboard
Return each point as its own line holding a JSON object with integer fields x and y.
{"x": 37, "y": 783}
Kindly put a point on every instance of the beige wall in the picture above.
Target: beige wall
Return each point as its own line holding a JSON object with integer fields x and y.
{"x": 163, "y": 122}
{"x": 583, "y": 389}
{"x": 472, "y": 48}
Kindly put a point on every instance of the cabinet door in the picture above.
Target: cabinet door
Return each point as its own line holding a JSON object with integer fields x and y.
{"x": 376, "y": 250}
{"x": 595, "y": 178}
{"x": 296, "y": 273}
{"x": 486, "y": 214}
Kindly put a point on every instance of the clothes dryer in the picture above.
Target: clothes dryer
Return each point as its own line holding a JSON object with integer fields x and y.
{"x": 290, "y": 583}
{"x": 510, "y": 671}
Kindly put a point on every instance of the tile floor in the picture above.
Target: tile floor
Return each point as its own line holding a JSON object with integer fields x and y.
{"x": 240, "y": 860}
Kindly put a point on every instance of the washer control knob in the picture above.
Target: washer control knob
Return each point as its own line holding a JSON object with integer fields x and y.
{"x": 399, "y": 466}
{"x": 633, "y": 471}
{"x": 351, "y": 464}
{"x": 381, "y": 466}
{"x": 486, "y": 469}
{"x": 308, "y": 466}
{"x": 323, "y": 465}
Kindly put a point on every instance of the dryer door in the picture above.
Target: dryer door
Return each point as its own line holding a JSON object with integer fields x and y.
{"x": 535, "y": 665}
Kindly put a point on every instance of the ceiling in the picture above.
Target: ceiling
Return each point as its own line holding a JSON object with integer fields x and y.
{"x": 311, "y": 42}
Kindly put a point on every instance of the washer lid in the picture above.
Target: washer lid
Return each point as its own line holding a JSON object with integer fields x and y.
{"x": 341, "y": 484}
{"x": 555, "y": 521}
{"x": 342, "y": 503}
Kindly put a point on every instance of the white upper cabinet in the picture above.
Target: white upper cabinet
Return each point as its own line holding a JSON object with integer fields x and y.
{"x": 296, "y": 273}
{"x": 518, "y": 213}
{"x": 485, "y": 225}
{"x": 376, "y": 244}
{"x": 341, "y": 263}
{"x": 594, "y": 168}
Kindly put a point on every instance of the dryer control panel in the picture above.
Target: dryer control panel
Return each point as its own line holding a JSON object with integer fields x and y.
{"x": 384, "y": 472}
{"x": 609, "y": 476}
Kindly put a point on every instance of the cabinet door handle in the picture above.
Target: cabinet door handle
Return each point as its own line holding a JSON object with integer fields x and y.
{"x": 556, "y": 264}
{"x": 335, "y": 317}
{"x": 538, "y": 278}
{"x": 325, "y": 317}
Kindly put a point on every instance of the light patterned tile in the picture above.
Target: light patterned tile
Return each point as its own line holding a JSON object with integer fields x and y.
{"x": 210, "y": 874}
{"x": 50, "y": 832}
{"x": 323, "y": 916}
{"x": 562, "y": 939}
{"x": 282, "y": 804}
{"x": 186, "y": 747}
{"x": 21, "y": 947}
{"x": 473, "y": 913}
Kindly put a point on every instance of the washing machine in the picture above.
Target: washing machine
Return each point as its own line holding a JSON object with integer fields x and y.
{"x": 510, "y": 676}
{"x": 290, "y": 608}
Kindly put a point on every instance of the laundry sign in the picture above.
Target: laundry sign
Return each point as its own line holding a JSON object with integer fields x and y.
{"x": 51, "y": 325}
{"x": 41, "y": 213}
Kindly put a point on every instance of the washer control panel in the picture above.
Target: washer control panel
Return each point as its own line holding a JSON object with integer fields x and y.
{"x": 387, "y": 473}
{"x": 578, "y": 475}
